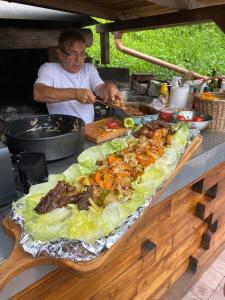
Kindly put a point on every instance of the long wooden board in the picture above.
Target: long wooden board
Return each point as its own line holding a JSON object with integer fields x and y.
{"x": 97, "y": 133}
{"x": 19, "y": 260}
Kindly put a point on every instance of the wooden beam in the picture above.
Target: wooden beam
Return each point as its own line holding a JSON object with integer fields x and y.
{"x": 221, "y": 23}
{"x": 186, "y": 4}
{"x": 34, "y": 38}
{"x": 172, "y": 19}
{"x": 19, "y": 38}
{"x": 80, "y": 7}
{"x": 104, "y": 38}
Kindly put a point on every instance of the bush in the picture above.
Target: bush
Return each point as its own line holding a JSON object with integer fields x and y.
{"x": 200, "y": 48}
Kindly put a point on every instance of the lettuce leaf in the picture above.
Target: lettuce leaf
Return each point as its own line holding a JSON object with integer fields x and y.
{"x": 69, "y": 222}
{"x": 89, "y": 157}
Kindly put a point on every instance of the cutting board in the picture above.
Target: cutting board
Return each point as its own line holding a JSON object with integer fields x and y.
{"x": 20, "y": 261}
{"x": 96, "y": 132}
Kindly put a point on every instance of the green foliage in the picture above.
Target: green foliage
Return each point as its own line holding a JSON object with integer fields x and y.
{"x": 200, "y": 48}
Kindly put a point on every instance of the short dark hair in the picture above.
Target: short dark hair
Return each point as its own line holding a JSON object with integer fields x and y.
{"x": 70, "y": 35}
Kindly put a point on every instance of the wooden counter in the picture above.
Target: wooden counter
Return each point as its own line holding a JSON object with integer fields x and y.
{"x": 162, "y": 258}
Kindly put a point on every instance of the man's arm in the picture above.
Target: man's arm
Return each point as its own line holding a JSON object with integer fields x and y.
{"x": 47, "y": 94}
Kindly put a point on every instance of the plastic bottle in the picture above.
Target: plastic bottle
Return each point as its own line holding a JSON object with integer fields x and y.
{"x": 164, "y": 93}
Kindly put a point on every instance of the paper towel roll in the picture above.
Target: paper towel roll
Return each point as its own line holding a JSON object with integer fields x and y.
{"x": 179, "y": 96}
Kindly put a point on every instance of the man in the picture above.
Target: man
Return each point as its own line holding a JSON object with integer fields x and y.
{"x": 71, "y": 86}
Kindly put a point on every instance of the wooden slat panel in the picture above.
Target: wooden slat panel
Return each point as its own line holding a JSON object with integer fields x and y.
{"x": 204, "y": 208}
{"x": 206, "y": 183}
{"x": 220, "y": 220}
{"x": 164, "y": 249}
{"x": 210, "y": 238}
{"x": 185, "y": 282}
{"x": 191, "y": 228}
{"x": 200, "y": 257}
{"x": 186, "y": 203}
{"x": 152, "y": 280}
{"x": 156, "y": 215}
{"x": 116, "y": 289}
{"x": 170, "y": 281}
{"x": 61, "y": 283}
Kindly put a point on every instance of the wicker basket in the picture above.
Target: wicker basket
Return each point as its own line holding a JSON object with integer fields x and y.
{"x": 215, "y": 108}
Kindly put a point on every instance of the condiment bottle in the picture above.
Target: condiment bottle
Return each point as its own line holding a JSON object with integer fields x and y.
{"x": 213, "y": 84}
{"x": 164, "y": 93}
{"x": 219, "y": 84}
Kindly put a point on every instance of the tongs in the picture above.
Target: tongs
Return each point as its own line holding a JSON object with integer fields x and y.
{"x": 110, "y": 104}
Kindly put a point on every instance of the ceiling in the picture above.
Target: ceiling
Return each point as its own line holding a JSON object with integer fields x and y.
{"x": 27, "y": 16}
{"x": 140, "y": 13}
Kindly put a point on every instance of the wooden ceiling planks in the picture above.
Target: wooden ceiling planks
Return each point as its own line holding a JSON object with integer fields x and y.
{"x": 136, "y": 8}
{"x": 211, "y": 2}
{"x": 145, "y": 10}
{"x": 137, "y": 14}
{"x": 83, "y": 7}
{"x": 170, "y": 19}
{"x": 186, "y": 4}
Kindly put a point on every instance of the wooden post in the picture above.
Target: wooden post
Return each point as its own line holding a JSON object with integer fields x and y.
{"x": 104, "y": 38}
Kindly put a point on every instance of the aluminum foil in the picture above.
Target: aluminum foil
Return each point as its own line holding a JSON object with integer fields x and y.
{"x": 76, "y": 250}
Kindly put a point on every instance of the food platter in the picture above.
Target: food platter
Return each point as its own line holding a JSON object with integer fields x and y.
{"x": 20, "y": 261}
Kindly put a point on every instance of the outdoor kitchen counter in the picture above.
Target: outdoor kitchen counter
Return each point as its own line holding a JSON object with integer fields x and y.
{"x": 210, "y": 154}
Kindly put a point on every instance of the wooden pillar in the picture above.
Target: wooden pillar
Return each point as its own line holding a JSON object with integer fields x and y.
{"x": 221, "y": 23}
{"x": 104, "y": 39}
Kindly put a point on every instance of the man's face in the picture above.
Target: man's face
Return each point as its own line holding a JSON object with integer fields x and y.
{"x": 72, "y": 56}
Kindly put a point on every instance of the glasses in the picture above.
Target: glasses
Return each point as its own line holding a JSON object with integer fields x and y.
{"x": 74, "y": 54}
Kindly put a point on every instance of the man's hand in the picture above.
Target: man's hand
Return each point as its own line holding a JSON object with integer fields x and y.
{"x": 110, "y": 93}
{"x": 113, "y": 96}
{"x": 84, "y": 96}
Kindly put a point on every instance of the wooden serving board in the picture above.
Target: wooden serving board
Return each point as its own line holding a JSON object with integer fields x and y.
{"x": 96, "y": 132}
{"x": 20, "y": 261}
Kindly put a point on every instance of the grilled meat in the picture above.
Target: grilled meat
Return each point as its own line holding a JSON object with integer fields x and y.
{"x": 61, "y": 195}
{"x": 155, "y": 129}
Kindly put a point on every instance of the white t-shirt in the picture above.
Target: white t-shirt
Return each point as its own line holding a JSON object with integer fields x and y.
{"x": 54, "y": 75}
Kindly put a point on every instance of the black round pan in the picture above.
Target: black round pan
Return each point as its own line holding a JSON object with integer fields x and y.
{"x": 57, "y": 136}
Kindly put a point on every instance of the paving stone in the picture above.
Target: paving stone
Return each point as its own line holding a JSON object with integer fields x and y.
{"x": 211, "y": 278}
{"x": 219, "y": 266}
{"x": 222, "y": 256}
{"x": 218, "y": 294}
{"x": 190, "y": 296}
{"x": 202, "y": 290}
{"x": 222, "y": 282}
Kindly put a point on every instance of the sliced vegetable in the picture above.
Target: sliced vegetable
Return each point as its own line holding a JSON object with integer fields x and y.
{"x": 128, "y": 122}
{"x": 180, "y": 118}
{"x": 113, "y": 124}
{"x": 198, "y": 119}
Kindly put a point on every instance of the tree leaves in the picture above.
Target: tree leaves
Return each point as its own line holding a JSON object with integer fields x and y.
{"x": 200, "y": 48}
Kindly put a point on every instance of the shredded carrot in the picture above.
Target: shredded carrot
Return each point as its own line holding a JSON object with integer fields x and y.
{"x": 97, "y": 177}
{"x": 123, "y": 174}
{"x": 151, "y": 155}
{"x": 111, "y": 159}
{"x": 108, "y": 181}
{"x": 144, "y": 162}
